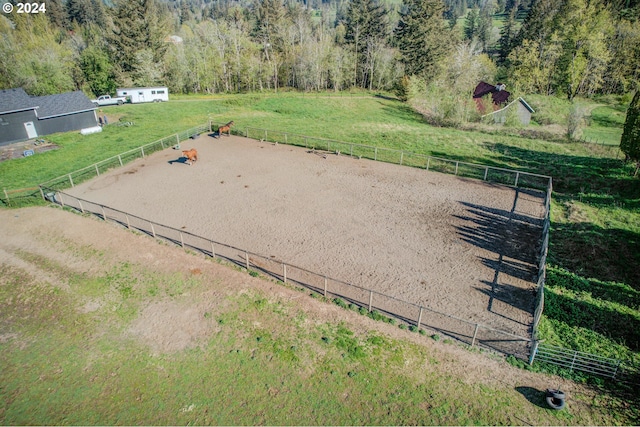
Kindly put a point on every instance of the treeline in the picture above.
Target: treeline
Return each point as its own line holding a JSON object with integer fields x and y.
{"x": 572, "y": 47}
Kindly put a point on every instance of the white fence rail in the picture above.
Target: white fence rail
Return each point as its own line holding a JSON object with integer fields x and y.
{"x": 573, "y": 360}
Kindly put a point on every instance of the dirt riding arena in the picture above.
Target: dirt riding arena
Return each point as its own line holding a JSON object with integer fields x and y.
{"x": 455, "y": 245}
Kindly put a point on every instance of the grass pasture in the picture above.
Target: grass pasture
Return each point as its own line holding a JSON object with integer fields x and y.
{"x": 100, "y": 349}
{"x": 595, "y": 232}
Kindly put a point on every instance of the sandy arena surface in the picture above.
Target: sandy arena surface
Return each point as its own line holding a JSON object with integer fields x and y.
{"x": 455, "y": 245}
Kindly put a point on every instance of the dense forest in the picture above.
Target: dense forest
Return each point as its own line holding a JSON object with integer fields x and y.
{"x": 563, "y": 47}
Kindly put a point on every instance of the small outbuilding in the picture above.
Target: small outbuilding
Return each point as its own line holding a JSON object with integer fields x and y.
{"x": 522, "y": 110}
{"x": 24, "y": 117}
{"x": 501, "y": 105}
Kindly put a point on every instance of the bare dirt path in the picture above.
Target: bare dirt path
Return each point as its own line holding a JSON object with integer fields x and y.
{"x": 454, "y": 245}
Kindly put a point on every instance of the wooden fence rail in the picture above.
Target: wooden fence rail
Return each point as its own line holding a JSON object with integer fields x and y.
{"x": 413, "y": 315}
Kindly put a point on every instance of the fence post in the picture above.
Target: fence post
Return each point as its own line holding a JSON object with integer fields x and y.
{"x": 97, "y": 170}
{"x": 284, "y": 273}
{"x": 71, "y": 180}
{"x": 213, "y": 252}
{"x": 486, "y": 172}
{"x": 370, "y": 299}
{"x": 6, "y": 195}
{"x": 41, "y": 192}
{"x": 534, "y": 350}
{"x": 419, "y": 318}
{"x": 120, "y": 158}
{"x": 80, "y": 204}
{"x": 325, "y": 286}
{"x": 177, "y": 139}
{"x": 181, "y": 240}
{"x": 401, "y": 155}
{"x": 615, "y": 372}
{"x": 351, "y": 151}
{"x": 153, "y": 230}
{"x": 246, "y": 260}
{"x": 128, "y": 223}
{"x": 142, "y": 151}
{"x": 375, "y": 155}
{"x": 517, "y": 177}
{"x": 104, "y": 215}
{"x": 428, "y": 161}
{"x": 475, "y": 333}
{"x": 457, "y": 163}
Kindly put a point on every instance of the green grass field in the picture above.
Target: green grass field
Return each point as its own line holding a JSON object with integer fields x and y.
{"x": 266, "y": 361}
{"x": 593, "y": 286}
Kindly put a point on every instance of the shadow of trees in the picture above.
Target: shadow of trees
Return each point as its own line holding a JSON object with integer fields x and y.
{"x": 593, "y": 251}
{"x": 609, "y": 254}
{"x": 619, "y": 325}
{"x": 516, "y": 239}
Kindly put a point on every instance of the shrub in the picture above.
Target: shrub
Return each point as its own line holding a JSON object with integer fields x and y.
{"x": 375, "y": 315}
{"x": 413, "y": 328}
{"x": 340, "y": 302}
{"x": 403, "y": 326}
{"x": 435, "y": 337}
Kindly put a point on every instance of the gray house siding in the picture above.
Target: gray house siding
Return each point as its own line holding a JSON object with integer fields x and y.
{"x": 50, "y": 114}
{"x": 66, "y": 123}
{"x": 12, "y": 126}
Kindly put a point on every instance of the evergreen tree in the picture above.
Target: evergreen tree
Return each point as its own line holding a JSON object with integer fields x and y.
{"x": 507, "y": 35}
{"x": 57, "y": 14}
{"x": 540, "y": 22}
{"x": 268, "y": 31}
{"x": 135, "y": 29}
{"x": 84, "y": 12}
{"x": 366, "y": 31}
{"x": 630, "y": 141}
{"x": 423, "y": 37}
{"x": 471, "y": 23}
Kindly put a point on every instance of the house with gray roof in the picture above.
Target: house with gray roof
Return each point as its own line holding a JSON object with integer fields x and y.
{"x": 24, "y": 117}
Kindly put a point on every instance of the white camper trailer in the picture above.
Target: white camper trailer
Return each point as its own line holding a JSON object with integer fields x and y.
{"x": 137, "y": 95}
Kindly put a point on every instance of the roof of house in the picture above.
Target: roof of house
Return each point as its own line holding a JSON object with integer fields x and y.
{"x": 498, "y": 92}
{"x": 526, "y": 105}
{"x": 519, "y": 99}
{"x": 63, "y": 104}
{"x": 13, "y": 100}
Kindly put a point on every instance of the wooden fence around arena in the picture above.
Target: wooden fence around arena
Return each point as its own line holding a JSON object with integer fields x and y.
{"x": 412, "y": 315}
{"x": 370, "y": 300}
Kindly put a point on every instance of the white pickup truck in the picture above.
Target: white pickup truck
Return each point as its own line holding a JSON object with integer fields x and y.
{"x": 108, "y": 100}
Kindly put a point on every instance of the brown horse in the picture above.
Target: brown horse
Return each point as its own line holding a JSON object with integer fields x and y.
{"x": 191, "y": 155}
{"x": 225, "y": 128}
